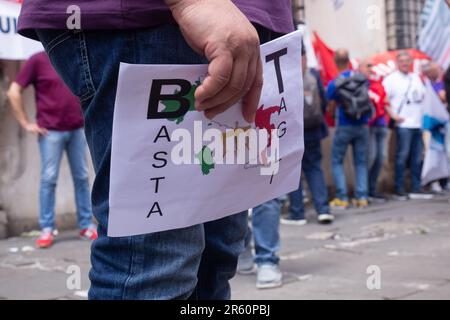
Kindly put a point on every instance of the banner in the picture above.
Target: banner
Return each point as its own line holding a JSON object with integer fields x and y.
{"x": 12, "y": 45}
{"x": 337, "y": 4}
{"x": 436, "y": 164}
{"x": 171, "y": 167}
{"x": 434, "y": 34}
{"x": 385, "y": 63}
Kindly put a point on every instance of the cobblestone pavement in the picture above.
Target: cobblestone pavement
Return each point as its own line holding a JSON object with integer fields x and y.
{"x": 408, "y": 242}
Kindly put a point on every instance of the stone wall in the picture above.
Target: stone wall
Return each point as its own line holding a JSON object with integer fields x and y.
{"x": 359, "y": 26}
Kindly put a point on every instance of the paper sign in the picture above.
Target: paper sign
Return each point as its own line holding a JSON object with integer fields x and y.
{"x": 171, "y": 167}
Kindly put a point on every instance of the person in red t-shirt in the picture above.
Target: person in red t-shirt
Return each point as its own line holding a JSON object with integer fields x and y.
{"x": 59, "y": 127}
{"x": 377, "y": 131}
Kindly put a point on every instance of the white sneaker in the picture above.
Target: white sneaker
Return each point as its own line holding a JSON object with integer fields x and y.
{"x": 269, "y": 276}
{"x": 245, "y": 262}
{"x": 436, "y": 187}
{"x": 293, "y": 222}
{"x": 325, "y": 218}
{"x": 420, "y": 195}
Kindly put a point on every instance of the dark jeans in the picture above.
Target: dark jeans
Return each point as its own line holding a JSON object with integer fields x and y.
{"x": 193, "y": 262}
{"x": 408, "y": 153}
{"x": 377, "y": 138}
{"x": 316, "y": 182}
{"x": 358, "y": 138}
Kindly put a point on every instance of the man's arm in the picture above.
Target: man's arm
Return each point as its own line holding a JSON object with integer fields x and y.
{"x": 220, "y": 31}
{"x": 331, "y": 107}
{"x": 442, "y": 96}
{"x": 322, "y": 94}
{"x": 15, "y": 98}
{"x": 332, "y": 99}
{"x": 391, "y": 113}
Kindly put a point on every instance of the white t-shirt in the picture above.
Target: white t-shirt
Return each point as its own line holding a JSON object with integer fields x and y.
{"x": 406, "y": 93}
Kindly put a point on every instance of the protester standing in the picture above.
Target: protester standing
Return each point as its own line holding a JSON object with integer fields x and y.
{"x": 315, "y": 129}
{"x": 377, "y": 131}
{"x": 406, "y": 93}
{"x": 352, "y": 129}
{"x": 59, "y": 128}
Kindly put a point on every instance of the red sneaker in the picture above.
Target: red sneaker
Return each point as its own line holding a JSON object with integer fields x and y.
{"x": 45, "y": 239}
{"x": 89, "y": 233}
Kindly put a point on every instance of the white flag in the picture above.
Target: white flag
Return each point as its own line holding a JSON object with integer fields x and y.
{"x": 337, "y": 4}
{"x": 436, "y": 165}
{"x": 434, "y": 35}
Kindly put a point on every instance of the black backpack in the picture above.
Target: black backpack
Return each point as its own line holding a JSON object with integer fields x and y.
{"x": 353, "y": 93}
{"x": 312, "y": 108}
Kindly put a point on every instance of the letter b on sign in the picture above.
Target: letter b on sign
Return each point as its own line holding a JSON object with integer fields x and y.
{"x": 179, "y": 95}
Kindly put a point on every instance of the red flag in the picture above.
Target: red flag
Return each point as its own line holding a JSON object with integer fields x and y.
{"x": 328, "y": 69}
{"x": 325, "y": 58}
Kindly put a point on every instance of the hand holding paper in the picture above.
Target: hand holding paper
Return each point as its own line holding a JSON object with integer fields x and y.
{"x": 231, "y": 45}
{"x": 171, "y": 167}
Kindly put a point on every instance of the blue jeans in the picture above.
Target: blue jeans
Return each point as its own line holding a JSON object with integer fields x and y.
{"x": 51, "y": 149}
{"x": 266, "y": 225}
{"x": 316, "y": 181}
{"x": 377, "y": 138}
{"x": 358, "y": 138}
{"x": 193, "y": 262}
{"x": 408, "y": 153}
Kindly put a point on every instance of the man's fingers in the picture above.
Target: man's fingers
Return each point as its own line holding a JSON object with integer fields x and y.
{"x": 222, "y": 107}
{"x": 219, "y": 74}
{"x": 235, "y": 88}
{"x": 251, "y": 72}
{"x": 211, "y": 113}
{"x": 251, "y": 99}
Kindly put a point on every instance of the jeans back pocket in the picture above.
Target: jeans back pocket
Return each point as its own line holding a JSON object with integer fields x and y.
{"x": 67, "y": 51}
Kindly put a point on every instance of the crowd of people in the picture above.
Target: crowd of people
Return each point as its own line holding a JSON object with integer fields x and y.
{"x": 364, "y": 106}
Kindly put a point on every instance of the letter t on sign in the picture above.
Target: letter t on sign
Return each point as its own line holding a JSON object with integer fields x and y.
{"x": 275, "y": 56}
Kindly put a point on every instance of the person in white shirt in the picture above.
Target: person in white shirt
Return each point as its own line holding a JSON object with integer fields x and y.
{"x": 406, "y": 93}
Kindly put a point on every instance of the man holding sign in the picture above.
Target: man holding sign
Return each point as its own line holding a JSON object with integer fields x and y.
{"x": 195, "y": 261}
